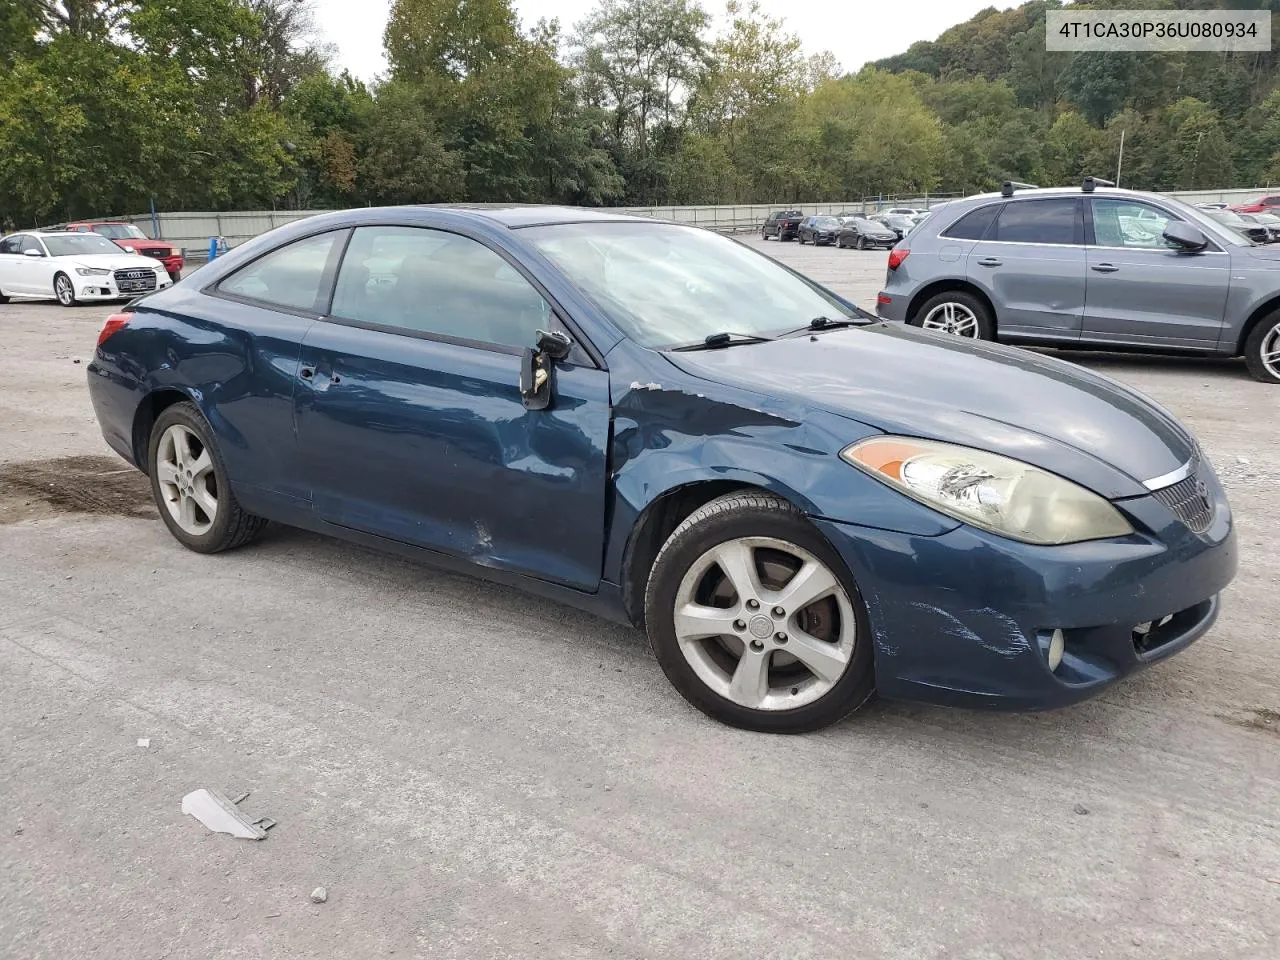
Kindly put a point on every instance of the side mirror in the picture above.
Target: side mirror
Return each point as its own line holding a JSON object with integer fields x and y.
{"x": 32, "y": 253}
{"x": 1184, "y": 236}
{"x": 536, "y": 368}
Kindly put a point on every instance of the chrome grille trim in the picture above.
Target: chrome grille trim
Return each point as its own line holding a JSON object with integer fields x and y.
{"x": 1190, "y": 503}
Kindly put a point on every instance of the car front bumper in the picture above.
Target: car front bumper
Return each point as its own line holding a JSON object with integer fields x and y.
{"x": 105, "y": 288}
{"x": 966, "y": 618}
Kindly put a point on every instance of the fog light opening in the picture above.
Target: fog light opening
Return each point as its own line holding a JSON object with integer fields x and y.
{"x": 1057, "y": 646}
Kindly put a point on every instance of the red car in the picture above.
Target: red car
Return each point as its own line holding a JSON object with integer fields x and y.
{"x": 131, "y": 238}
{"x": 1261, "y": 205}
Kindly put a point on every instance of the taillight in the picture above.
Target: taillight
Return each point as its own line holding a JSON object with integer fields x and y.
{"x": 114, "y": 323}
{"x": 896, "y": 257}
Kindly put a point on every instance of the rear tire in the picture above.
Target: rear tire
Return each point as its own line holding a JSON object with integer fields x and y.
{"x": 190, "y": 485}
{"x": 958, "y": 313}
{"x": 1262, "y": 350}
{"x": 748, "y": 675}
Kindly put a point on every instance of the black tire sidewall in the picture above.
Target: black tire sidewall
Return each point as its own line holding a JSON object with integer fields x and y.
{"x": 1253, "y": 348}
{"x": 849, "y": 693}
{"x": 986, "y": 324}
{"x": 219, "y": 534}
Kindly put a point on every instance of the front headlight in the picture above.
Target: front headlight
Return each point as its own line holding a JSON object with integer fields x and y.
{"x": 1005, "y": 496}
{"x": 92, "y": 271}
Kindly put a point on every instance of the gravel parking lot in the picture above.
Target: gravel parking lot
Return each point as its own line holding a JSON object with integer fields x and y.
{"x": 474, "y": 773}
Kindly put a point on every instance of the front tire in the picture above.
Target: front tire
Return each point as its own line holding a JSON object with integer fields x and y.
{"x": 861, "y": 244}
{"x": 755, "y": 619}
{"x": 1262, "y": 350}
{"x": 64, "y": 291}
{"x": 956, "y": 312}
{"x": 190, "y": 486}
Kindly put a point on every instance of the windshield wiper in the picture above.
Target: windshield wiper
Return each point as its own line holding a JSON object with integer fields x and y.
{"x": 827, "y": 323}
{"x": 721, "y": 339}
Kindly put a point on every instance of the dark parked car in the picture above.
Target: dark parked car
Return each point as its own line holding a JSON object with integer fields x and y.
{"x": 1246, "y": 228}
{"x": 666, "y": 427}
{"x": 1268, "y": 221}
{"x": 819, "y": 230}
{"x": 900, "y": 223}
{"x": 783, "y": 225}
{"x": 1093, "y": 267}
{"x": 864, "y": 234}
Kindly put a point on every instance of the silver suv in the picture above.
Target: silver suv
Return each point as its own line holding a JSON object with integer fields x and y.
{"x": 1089, "y": 266}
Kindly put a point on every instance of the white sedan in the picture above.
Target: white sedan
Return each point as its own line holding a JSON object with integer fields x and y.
{"x": 74, "y": 268}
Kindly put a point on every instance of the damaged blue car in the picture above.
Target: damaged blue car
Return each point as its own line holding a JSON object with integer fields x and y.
{"x": 800, "y": 504}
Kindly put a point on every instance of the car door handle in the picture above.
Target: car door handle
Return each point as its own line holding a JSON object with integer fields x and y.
{"x": 990, "y": 262}
{"x": 1104, "y": 267}
{"x": 306, "y": 373}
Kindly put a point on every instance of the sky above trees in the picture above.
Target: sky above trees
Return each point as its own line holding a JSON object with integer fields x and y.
{"x": 856, "y": 31}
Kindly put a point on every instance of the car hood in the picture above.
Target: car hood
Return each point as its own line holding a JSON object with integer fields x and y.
{"x": 1025, "y": 405}
{"x": 113, "y": 261}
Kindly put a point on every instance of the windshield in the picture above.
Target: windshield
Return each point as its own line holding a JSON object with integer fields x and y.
{"x": 79, "y": 244}
{"x": 867, "y": 224}
{"x": 826, "y": 222}
{"x": 666, "y": 285}
{"x": 120, "y": 231}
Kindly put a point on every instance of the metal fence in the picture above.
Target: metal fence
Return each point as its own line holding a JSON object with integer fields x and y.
{"x": 192, "y": 231}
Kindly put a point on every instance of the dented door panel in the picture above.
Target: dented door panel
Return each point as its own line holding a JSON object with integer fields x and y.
{"x": 427, "y": 442}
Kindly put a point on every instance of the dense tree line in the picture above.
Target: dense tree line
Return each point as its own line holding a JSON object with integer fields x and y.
{"x": 106, "y": 105}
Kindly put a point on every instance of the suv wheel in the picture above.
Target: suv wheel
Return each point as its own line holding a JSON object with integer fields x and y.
{"x": 958, "y": 313}
{"x": 1262, "y": 350}
{"x": 755, "y": 619}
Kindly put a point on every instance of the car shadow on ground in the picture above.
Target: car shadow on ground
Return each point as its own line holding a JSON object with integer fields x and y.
{"x": 1104, "y": 360}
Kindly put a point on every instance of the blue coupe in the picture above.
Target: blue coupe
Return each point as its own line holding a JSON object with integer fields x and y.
{"x": 799, "y": 503}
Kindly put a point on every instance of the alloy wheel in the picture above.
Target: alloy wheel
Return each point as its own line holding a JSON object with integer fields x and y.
{"x": 64, "y": 291}
{"x": 188, "y": 484}
{"x": 1270, "y": 352}
{"x": 953, "y": 318}
{"x": 764, "y": 623}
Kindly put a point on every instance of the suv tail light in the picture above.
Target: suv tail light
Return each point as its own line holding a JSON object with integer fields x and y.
{"x": 114, "y": 323}
{"x": 896, "y": 257}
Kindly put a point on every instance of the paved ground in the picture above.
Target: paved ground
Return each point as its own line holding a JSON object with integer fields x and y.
{"x": 476, "y": 774}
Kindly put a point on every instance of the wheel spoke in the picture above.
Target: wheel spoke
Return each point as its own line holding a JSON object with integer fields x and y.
{"x": 206, "y": 501}
{"x": 693, "y": 621}
{"x": 187, "y": 513}
{"x": 825, "y": 660}
{"x": 166, "y": 473}
{"x": 750, "y": 683}
{"x": 201, "y": 465}
{"x": 811, "y": 582}
{"x": 179, "y": 438}
{"x": 737, "y": 561}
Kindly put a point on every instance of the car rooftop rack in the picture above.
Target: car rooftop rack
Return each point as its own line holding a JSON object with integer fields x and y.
{"x": 1006, "y": 190}
{"x": 1091, "y": 182}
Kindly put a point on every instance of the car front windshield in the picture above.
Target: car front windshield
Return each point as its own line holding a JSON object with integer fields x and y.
{"x": 665, "y": 285}
{"x": 79, "y": 244}
{"x": 826, "y": 222}
{"x": 119, "y": 231}
{"x": 868, "y": 225}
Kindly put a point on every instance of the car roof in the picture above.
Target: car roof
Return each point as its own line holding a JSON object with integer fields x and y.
{"x": 516, "y": 215}
{"x": 1076, "y": 191}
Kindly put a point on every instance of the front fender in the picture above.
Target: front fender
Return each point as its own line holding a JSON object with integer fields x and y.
{"x": 673, "y": 434}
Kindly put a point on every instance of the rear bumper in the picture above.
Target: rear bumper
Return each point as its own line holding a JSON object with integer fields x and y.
{"x": 115, "y": 401}
{"x": 966, "y": 618}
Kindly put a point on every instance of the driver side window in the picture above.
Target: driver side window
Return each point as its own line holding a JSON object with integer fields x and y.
{"x": 419, "y": 280}
{"x": 11, "y": 245}
{"x": 31, "y": 243}
{"x": 1126, "y": 223}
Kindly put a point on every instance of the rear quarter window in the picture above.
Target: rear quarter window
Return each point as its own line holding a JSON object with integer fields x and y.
{"x": 974, "y": 224}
